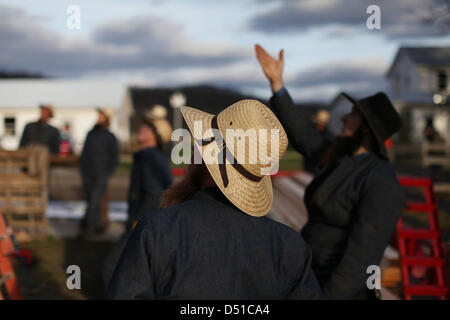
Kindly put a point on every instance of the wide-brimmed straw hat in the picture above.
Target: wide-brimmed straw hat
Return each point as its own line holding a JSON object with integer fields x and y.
{"x": 322, "y": 117}
{"x": 108, "y": 112}
{"x": 381, "y": 116}
{"x": 157, "y": 115}
{"x": 245, "y": 183}
{"x": 157, "y": 112}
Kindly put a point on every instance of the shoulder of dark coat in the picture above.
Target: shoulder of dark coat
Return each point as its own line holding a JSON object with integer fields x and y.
{"x": 154, "y": 155}
{"x": 198, "y": 206}
{"x": 289, "y": 234}
{"x": 109, "y": 133}
{"x": 104, "y": 134}
{"x": 382, "y": 174}
{"x": 137, "y": 155}
{"x": 54, "y": 129}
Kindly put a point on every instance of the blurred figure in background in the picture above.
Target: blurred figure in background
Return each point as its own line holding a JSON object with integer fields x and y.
{"x": 431, "y": 135}
{"x": 41, "y": 133}
{"x": 66, "y": 147}
{"x": 158, "y": 116}
{"x": 150, "y": 177}
{"x": 320, "y": 121}
{"x": 150, "y": 173}
{"x": 98, "y": 161}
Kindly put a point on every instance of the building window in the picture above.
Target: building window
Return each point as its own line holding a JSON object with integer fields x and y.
{"x": 10, "y": 126}
{"x": 407, "y": 82}
{"x": 442, "y": 80}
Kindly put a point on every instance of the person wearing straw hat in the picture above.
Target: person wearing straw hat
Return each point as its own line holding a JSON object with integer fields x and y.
{"x": 158, "y": 115}
{"x": 211, "y": 239}
{"x": 355, "y": 200}
{"x": 98, "y": 160}
{"x": 41, "y": 133}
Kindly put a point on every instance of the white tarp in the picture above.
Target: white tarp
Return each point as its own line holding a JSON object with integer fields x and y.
{"x": 75, "y": 210}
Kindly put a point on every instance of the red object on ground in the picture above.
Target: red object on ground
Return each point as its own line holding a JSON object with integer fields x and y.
{"x": 178, "y": 171}
{"x": 25, "y": 256}
{"x": 7, "y": 275}
{"x": 389, "y": 143}
{"x": 410, "y": 245}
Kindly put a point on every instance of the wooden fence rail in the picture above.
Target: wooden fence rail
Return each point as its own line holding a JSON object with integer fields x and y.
{"x": 23, "y": 188}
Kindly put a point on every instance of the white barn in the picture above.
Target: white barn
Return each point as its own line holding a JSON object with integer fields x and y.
{"x": 75, "y": 103}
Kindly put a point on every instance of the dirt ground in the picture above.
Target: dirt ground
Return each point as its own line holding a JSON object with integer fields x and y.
{"x": 47, "y": 279}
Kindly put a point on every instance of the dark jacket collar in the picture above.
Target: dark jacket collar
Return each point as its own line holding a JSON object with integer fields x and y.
{"x": 213, "y": 193}
{"x": 98, "y": 127}
{"x": 42, "y": 123}
{"x": 340, "y": 169}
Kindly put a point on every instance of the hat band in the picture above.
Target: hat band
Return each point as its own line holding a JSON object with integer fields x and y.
{"x": 225, "y": 152}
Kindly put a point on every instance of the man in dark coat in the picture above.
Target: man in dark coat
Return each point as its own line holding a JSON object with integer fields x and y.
{"x": 355, "y": 200}
{"x": 41, "y": 133}
{"x": 211, "y": 240}
{"x": 98, "y": 161}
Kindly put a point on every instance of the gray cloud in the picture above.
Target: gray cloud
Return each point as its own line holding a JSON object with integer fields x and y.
{"x": 134, "y": 43}
{"x": 321, "y": 82}
{"x": 158, "y": 50}
{"x": 400, "y": 18}
{"x": 363, "y": 77}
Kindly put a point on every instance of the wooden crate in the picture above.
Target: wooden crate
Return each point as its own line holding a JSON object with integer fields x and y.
{"x": 23, "y": 188}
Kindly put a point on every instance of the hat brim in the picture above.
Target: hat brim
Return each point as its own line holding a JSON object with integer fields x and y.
{"x": 380, "y": 141}
{"x": 253, "y": 198}
{"x": 107, "y": 114}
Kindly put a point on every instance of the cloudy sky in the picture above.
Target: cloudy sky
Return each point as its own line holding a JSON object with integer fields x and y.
{"x": 327, "y": 44}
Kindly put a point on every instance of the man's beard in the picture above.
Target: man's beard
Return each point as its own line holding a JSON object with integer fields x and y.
{"x": 340, "y": 147}
{"x": 187, "y": 186}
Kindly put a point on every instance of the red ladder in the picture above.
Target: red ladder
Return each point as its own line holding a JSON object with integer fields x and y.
{"x": 7, "y": 275}
{"x": 409, "y": 241}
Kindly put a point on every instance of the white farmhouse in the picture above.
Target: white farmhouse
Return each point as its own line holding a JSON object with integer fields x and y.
{"x": 419, "y": 85}
{"x": 75, "y": 103}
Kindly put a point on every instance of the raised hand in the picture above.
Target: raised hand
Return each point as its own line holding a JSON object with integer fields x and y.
{"x": 273, "y": 68}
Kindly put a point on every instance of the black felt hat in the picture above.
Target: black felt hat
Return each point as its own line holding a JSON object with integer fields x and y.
{"x": 381, "y": 116}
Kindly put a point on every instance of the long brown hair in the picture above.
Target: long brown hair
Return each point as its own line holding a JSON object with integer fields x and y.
{"x": 187, "y": 186}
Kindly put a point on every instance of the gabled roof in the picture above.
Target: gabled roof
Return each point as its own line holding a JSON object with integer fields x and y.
{"x": 206, "y": 98}
{"x": 425, "y": 56}
{"x": 203, "y": 97}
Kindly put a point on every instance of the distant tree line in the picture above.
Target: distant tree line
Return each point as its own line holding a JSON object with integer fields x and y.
{"x": 20, "y": 75}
